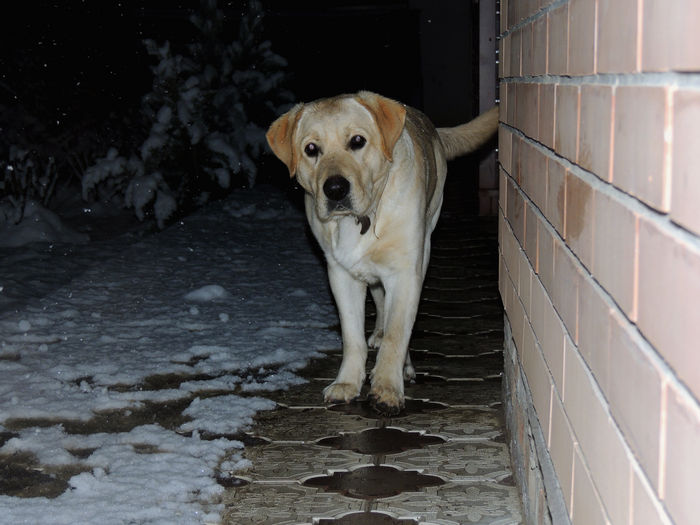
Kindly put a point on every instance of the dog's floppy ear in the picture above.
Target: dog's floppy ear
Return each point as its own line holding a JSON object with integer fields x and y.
{"x": 389, "y": 115}
{"x": 280, "y": 137}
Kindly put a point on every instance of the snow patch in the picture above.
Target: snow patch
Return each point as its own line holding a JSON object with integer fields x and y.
{"x": 224, "y": 414}
{"x": 39, "y": 225}
{"x": 210, "y": 292}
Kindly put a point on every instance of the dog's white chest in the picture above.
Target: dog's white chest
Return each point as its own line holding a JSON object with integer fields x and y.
{"x": 349, "y": 248}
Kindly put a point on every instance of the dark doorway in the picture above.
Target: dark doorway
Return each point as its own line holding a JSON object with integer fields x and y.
{"x": 420, "y": 52}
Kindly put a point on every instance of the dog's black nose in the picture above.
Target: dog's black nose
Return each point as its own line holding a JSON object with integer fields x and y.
{"x": 336, "y": 187}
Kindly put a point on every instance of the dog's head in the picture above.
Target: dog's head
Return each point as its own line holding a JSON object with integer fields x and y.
{"x": 340, "y": 149}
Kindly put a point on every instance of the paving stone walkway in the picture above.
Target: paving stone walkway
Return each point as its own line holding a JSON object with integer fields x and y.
{"x": 443, "y": 460}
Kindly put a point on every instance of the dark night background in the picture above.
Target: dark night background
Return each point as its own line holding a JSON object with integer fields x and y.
{"x": 79, "y": 66}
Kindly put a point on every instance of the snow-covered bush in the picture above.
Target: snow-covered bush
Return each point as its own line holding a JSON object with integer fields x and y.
{"x": 40, "y": 156}
{"x": 26, "y": 175}
{"x": 208, "y": 110}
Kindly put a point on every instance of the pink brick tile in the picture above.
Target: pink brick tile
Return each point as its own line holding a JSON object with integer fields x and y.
{"x": 508, "y": 293}
{"x": 502, "y": 276}
{"x": 584, "y": 407}
{"x": 586, "y": 507}
{"x": 639, "y": 165}
{"x": 515, "y": 53}
{"x": 516, "y": 213}
{"x": 582, "y": 23}
{"x": 547, "y": 114}
{"x": 538, "y": 379}
{"x": 596, "y": 130}
{"x": 534, "y": 170}
{"x": 518, "y": 11}
{"x": 509, "y": 247}
{"x": 555, "y": 207}
{"x": 515, "y": 159}
{"x": 531, "y": 222}
{"x": 504, "y": 57}
{"x": 541, "y": 167}
{"x": 503, "y": 101}
{"x": 635, "y": 394}
{"x": 511, "y": 103}
{"x": 537, "y": 306}
{"x": 527, "y": 50}
{"x": 510, "y": 11}
{"x": 682, "y": 456}
{"x": 539, "y": 45}
{"x": 565, "y": 292}
{"x": 553, "y": 345}
{"x": 578, "y": 219}
{"x": 561, "y": 447}
{"x": 594, "y": 331}
{"x": 505, "y": 6}
{"x": 528, "y": 177}
{"x": 502, "y": 194}
{"x": 617, "y": 36}
{"x": 669, "y": 288}
{"x": 524, "y": 282}
{"x": 671, "y": 40}
{"x": 516, "y": 316}
{"x": 615, "y": 251}
{"x": 566, "y": 125}
{"x": 505, "y": 141}
{"x": 501, "y": 47}
{"x": 558, "y": 40}
{"x": 601, "y": 443}
{"x": 545, "y": 256}
{"x": 685, "y": 188}
{"x": 531, "y": 7}
{"x": 646, "y": 508}
{"x": 527, "y": 110}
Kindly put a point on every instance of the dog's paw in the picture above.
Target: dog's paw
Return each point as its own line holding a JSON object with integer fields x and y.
{"x": 340, "y": 392}
{"x": 409, "y": 373}
{"x": 375, "y": 340}
{"x": 386, "y": 400}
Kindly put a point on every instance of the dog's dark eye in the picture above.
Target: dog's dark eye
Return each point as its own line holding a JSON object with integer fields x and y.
{"x": 311, "y": 149}
{"x": 357, "y": 142}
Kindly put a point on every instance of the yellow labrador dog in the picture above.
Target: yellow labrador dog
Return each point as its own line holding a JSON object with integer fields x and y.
{"x": 373, "y": 170}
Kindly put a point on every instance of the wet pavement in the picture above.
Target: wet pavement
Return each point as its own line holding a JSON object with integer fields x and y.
{"x": 442, "y": 460}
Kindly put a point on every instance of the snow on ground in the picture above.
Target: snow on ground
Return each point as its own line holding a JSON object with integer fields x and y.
{"x": 38, "y": 225}
{"x": 233, "y": 297}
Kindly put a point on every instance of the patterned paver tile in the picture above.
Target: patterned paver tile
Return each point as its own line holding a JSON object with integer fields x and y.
{"x": 458, "y": 461}
{"x": 459, "y": 367}
{"x": 458, "y": 504}
{"x": 288, "y": 462}
{"x": 478, "y": 343}
{"x": 482, "y": 393}
{"x": 456, "y": 423}
{"x": 307, "y": 395}
{"x": 283, "y": 504}
{"x": 307, "y": 425}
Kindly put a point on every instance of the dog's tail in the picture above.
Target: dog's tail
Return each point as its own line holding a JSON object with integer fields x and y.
{"x": 465, "y": 138}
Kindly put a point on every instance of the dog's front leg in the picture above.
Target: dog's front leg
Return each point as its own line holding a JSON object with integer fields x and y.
{"x": 375, "y": 340}
{"x": 349, "y": 296}
{"x": 400, "y": 307}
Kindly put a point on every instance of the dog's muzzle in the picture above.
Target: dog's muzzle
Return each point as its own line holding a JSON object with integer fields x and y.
{"x": 337, "y": 190}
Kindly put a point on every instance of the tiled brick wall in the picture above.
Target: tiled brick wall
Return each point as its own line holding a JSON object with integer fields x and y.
{"x": 599, "y": 152}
